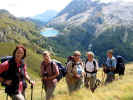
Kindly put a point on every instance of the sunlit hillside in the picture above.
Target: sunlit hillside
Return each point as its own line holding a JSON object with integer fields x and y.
{"x": 118, "y": 90}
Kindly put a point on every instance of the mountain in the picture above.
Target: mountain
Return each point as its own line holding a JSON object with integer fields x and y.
{"x": 102, "y": 25}
{"x": 14, "y": 31}
{"x": 37, "y": 22}
{"x": 46, "y": 16}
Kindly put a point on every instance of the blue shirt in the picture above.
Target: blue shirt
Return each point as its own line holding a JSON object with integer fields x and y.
{"x": 79, "y": 69}
{"x": 111, "y": 62}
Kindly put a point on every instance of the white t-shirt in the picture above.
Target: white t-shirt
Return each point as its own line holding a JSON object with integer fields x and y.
{"x": 90, "y": 66}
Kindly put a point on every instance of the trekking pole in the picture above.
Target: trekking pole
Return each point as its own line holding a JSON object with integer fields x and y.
{"x": 7, "y": 97}
{"x": 31, "y": 91}
{"x": 42, "y": 90}
{"x": 103, "y": 77}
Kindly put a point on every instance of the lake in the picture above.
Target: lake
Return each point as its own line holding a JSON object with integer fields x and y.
{"x": 50, "y": 32}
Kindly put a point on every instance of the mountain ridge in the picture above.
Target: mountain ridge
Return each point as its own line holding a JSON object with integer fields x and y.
{"x": 91, "y": 22}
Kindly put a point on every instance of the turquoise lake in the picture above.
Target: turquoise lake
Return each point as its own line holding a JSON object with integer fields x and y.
{"x": 50, "y": 33}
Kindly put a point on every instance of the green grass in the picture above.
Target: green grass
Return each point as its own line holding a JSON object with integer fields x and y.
{"x": 33, "y": 60}
{"x": 118, "y": 90}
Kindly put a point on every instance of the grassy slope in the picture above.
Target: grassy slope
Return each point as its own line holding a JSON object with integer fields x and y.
{"x": 118, "y": 90}
{"x": 32, "y": 60}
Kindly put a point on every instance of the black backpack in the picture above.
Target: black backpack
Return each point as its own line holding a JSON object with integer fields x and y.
{"x": 120, "y": 66}
{"x": 62, "y": 69}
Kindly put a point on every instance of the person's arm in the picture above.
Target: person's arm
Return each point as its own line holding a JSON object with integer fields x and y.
{"x": 75, "y": 74}
{"x": 4, "y": 66}
{"x": 27, "y": 76}
{"x": 97, "y": 66}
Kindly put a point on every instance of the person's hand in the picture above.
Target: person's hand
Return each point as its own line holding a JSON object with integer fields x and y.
{"x": 95, "y": 70}
{"x": 77, "y": 76}
{"x": 8, "y": 82}
{"x": 45, "y": 78}
{"x": 83, "y": 73}
{"x": 32, "y": 82}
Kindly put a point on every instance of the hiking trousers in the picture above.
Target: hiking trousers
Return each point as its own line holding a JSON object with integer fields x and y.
{"x": 75, "y": 86}
{"x": 110, "y": 77}
{"x": 18, "y": 97}
{"x": 90, "y": 82}
{"x": 49, "y": 92}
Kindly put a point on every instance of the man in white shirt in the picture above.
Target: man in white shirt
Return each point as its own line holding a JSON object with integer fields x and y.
{"x": 91, "y": 67}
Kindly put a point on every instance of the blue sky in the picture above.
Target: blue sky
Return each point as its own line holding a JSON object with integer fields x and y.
{"x": 25, "y": 8}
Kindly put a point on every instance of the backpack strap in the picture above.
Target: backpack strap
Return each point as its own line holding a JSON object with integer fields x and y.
{"x": 73, "y": 64}
{"x": 94, "y": 63}
{"x": 52, "y": 66}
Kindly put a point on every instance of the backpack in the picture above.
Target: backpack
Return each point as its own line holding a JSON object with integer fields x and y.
{"x": 70, "y": 58}
{"x": 120, "y": 66}
{"x": 3, "y": 59}
{"x": 62, "y": 70}
{"x": 94, "y": 63}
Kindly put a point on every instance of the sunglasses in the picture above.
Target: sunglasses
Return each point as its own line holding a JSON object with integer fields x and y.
{"x": 77, "y": 55}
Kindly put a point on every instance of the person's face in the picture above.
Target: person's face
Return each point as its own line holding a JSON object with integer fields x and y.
{"x": 90, "y": 57}
{"x": 109, "y": 55}
{"x": 76, "y": 57}
{"x": 19, "y": 54}
{"x": 46, "y": 57}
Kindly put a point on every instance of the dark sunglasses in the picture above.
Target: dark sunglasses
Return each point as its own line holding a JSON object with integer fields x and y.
{"x": 77, "y": 55}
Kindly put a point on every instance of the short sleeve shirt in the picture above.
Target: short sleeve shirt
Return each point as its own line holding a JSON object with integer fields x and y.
{"x": 111, "y": 62}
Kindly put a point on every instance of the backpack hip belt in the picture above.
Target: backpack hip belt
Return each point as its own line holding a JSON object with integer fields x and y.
{"x": 91, "y": 72}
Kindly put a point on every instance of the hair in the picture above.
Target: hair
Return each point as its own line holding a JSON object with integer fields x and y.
{"x": 90, "y": 53}
{"x": 76, "y": 53}
{"x": 110, "y": 51}
{"x": 46, "y": 52}
{"x": 17, "y": 47}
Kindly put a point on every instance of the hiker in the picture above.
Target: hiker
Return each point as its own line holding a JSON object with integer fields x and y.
{"x": 110, "y": 67}
{"x": 91, "y": 67}
{"x": 75, "y": 73}
{"x": 49, "y": 74}
{"x": 16, "y": 74}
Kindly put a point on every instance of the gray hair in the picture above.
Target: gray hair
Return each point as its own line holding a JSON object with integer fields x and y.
{"x": 76, "y": 52}
{"x": 90, "y": 53}
{"x": 46, "y": 52}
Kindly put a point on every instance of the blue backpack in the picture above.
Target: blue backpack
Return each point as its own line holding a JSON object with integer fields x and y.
{"x": 3, "y": 59}
{"x": 62, "y": 69}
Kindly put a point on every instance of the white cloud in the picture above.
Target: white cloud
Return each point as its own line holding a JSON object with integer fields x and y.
{"x": 106, "y": 1}
{"x": 32, "y": 7}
